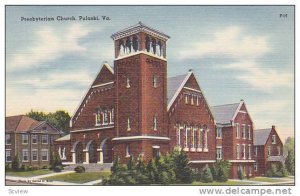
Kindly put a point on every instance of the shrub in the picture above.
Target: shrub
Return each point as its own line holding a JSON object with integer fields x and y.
{"x": 22, "y": 168}
{"x": 15, "y": 164}
{"x": 7, "y": 166}
{"x": 79, "y": 169}
{"x": 55, "y": 161}
{"x": 183, "y": 172}
{"x": 241, "y": 174}
{"x": 197, "y": 175}
{"x": 222, "y": 169}
{"x": 59, "y": 168}
{"x": 206, "y": 175}
{"x": 28, "y": 168}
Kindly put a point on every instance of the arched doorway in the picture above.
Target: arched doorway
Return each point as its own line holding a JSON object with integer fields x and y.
{"x": 92, "y": 150}
{"x": 78, "y": 149}
{"x": 106, "y": 147}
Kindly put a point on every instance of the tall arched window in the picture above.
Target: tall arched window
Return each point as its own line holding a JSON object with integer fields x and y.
{"x": 158, "y": 48}
{"x": 121, "y": 48}
{"x": 135, "y": 43}
{"x": 148, "y": 41}
{"x": 128, "y": 46}
{"x": 154, "y": 46}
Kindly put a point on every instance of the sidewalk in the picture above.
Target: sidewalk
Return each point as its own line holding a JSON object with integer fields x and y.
{"x": 40, "y": 181}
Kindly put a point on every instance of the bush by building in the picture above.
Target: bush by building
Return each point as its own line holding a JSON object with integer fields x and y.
{"x": 79, "y": 169}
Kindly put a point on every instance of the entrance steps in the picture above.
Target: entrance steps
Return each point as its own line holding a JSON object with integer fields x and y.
{"x": 92, "y": 167}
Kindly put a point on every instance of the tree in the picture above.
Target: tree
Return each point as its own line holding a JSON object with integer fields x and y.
{"x": 184, "y": 173}
{"x": 289, "y": 150}
{"x": 290, "y": 162}
{"x": 222, "y": 171}
{"x": 16, "y": 163}
{"x": 206, "y": 175}
{"x": 39, "y": 116}
{"x": 59, "y": 119}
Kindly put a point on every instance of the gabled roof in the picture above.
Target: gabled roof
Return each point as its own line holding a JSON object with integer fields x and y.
{"x": 174, "y": 83}
{"x": 20, "y": 123}
{"x": 224, "y": 114}
{"x": 139, "y": 27}
{"x": 104, "y": 65}
{"x": 260, "y": 136}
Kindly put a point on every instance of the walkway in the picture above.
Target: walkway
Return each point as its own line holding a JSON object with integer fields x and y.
{"x": 38, "y": 180}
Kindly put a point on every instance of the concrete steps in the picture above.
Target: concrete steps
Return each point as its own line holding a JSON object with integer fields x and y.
{"x": 90, "y": 167}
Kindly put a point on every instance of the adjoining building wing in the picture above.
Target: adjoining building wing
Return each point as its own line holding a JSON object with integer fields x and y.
{"x": 261, "y": 136}
{"x": 223, "y": 114}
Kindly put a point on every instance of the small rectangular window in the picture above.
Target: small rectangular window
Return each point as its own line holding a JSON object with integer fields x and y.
{"x": 25, "y": 155}
{"x": 128, "y": 152}
{"x": 44, "y": 139}
{"x": 238, "y": 151}
{"x": 269, "y": 150}
{"x": 249, "y": 132}
{"x": 8, "y": 155}
{"x": 273, "y": 139}
{"x": 24, "y": 139}
{"x": 238, "y": 130}
{"x": 34, "y": 155}
{"x": 7, "y": 139}
{"x": 244, "y": 132}
{"x": 219, "y": 153}
{"x": 44, "y": 155}
{"x": 219, "y": 132}
{"x": 34, "y": 139}
{"x": 154, "y": 81}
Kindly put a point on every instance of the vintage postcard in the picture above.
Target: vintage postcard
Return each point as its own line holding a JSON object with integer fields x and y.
{"x": 151, "y": 95}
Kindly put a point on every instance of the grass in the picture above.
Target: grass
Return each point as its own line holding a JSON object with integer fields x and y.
{"x": 79, "y": 177}
{"x": 228, "y": 183}
{"x": 29, "y": 173}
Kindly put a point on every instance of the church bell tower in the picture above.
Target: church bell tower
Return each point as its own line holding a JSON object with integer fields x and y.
{"x": 140, "y": 68}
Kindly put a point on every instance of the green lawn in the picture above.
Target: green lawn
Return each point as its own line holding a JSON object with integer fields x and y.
{"x": 228, "y": 183}
{"x": 29, "y": 173}
{"x": 266, "y": 179}
{"x": 79, "y": 177}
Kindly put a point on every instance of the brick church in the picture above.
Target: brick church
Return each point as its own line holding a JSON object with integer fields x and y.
{"x": 134, "y": 109}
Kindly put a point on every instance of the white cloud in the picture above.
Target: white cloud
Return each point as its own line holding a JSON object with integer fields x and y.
{"x": 232, "y": 42}
{"x": 246, "y": 50}
{"x": 80, "y": 77}
{"x": 50, "y": 44}
{"x": 47, "y": 100}
{"x": 273, "y": 112}
{"x": 261, "y": 78}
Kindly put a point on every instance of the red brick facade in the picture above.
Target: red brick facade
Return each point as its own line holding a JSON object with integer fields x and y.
{"x": 135, "y": 110}
{"x": 268, "y": 153}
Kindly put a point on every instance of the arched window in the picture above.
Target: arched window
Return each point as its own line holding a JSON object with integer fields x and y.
{"x": 135, "y": 43}
{"x": 98, "y": 117}
{"x": 121, "y": 48}
{"x": 159, "y": 48}
{"x": 148, "y": 42}
{"x": 106, "y": 117}
{"x": 128, "y": 46}
{"x": 154, "y": 46}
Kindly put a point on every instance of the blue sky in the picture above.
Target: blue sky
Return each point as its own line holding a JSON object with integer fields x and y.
{"x": 236, "y": 52}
